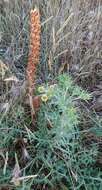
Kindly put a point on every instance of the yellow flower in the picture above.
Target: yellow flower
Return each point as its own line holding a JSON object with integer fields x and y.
{"x": 44, "y": 98}
{"x": 41, "y": 89}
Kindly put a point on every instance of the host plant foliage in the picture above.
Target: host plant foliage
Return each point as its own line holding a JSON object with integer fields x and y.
{"x": 59, "y": 156}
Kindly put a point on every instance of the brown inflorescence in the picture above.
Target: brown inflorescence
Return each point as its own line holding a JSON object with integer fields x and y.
{"x": 34, "y": 52}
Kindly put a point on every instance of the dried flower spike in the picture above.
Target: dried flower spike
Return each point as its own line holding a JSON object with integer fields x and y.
{"x": 34, "y": 52}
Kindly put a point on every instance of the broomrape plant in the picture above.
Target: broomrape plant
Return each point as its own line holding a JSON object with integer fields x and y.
{"x": 34, "y": 52}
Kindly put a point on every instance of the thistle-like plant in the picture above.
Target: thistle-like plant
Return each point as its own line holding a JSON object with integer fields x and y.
{"x": 58, "y": 151}
{"x": 61, "y": 105}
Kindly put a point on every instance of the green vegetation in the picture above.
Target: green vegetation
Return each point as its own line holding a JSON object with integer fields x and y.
{"x": 54, "y": 152}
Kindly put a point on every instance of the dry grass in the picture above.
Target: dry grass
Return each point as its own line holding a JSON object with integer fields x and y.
{"x": 71, "y": 37}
